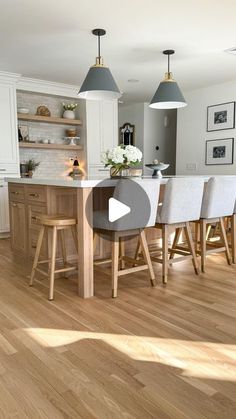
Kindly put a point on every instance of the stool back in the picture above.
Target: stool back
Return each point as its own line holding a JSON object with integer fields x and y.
{"x": 219, "y": 197}
{"x": 142, "y": 196}
{"x": 182, "y": 200}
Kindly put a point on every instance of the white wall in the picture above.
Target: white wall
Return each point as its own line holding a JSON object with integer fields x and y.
{"x": 192, "y": 130}
{"x": 151, "y": 131}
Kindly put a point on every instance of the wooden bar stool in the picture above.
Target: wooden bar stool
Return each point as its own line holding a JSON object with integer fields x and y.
{"x": 131, "y": 193}
{"x": 57, "y": 224}
{"x": 181, "y": 205}
{"x": 218, "y": 203}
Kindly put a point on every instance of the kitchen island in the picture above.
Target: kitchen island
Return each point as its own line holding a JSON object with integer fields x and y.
{"x": 28, "y": 198}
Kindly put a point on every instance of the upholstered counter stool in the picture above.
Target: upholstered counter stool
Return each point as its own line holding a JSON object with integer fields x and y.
{"x": 141, "y": 195}
{"x": 218, "y": 203}
{"x": 57, "y": 224}
{"x": 181, "y": 204}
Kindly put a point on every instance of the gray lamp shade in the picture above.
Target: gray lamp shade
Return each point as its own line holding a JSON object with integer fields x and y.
{"x": 99, "y": 84}
{"x": 168, "y": 96}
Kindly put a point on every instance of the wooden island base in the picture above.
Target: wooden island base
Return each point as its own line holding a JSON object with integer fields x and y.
{"x": 28, "y": 201}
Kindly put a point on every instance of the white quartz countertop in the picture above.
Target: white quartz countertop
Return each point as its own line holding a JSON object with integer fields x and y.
{"x": 85, "y": 182}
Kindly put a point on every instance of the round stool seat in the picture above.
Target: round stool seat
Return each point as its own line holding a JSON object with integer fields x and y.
{"x": 56, "y": 220}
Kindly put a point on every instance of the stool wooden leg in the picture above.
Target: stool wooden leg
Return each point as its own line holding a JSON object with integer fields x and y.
{"x": 175, "y": 242}
{"x": 189, "y": 238}
{"x": 122, "y": 253}
{"x": 115, "y": 263}
{"x": 146, "y": 256}
{"x": 53, "y": 261}
{"x": 225, "y": 241}
{"x": 196, "y": 236}
{"x": 61, "y": 235}
{"x": 37, "y": 253}
{"x": 203, "y": 243}
{"x": 164, "y": 253}
{"x": 233, "y": 237}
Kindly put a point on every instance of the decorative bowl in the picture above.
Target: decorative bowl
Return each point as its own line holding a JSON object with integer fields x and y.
{"x": 157, "y": 168}
{"x": 23, "y": 110}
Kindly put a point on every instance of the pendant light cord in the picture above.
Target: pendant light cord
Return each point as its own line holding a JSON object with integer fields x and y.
{"x": 168, "y": 63}
{"x": 99, "y": 50}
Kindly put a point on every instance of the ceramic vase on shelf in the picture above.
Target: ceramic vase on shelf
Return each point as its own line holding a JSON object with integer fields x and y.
{"x": 68, "y": 114}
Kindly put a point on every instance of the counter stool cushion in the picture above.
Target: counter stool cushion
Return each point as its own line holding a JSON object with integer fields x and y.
{"x": 177, "y": 207}
{"x": 219, "y": 197}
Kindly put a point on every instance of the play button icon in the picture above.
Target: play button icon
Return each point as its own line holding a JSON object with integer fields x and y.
{"x": 117, "y": 209}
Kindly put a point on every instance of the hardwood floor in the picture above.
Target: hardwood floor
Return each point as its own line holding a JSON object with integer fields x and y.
{"x": 151, "y": 353}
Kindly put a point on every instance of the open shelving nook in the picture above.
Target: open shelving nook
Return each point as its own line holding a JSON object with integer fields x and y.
{"x": 48, "y": 119}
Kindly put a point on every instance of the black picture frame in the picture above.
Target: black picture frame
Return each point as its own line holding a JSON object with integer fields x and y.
{"x": 219, "y": 152}
{"x": 221, "y": 116}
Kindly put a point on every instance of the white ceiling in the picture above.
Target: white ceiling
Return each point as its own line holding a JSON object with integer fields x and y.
{"x": 52, "y": 40}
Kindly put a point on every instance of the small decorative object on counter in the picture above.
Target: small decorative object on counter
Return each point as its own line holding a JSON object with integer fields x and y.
{"x": 124, "y": 161}
{"x": 43, "y": 110}
{"x": 31, "y": 166}
{"x": 157, "y": 167}
{"x": 69, "y": 110}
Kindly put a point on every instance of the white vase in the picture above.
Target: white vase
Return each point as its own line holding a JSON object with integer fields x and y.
{"x": 68, "y": 114}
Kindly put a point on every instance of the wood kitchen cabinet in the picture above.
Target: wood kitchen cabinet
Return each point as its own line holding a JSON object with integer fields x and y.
{"x": 18, "y": 227}
{"x": 4, "y": 209}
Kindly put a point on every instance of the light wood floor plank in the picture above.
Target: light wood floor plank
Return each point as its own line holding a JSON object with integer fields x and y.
{"x": 163, "y": 352}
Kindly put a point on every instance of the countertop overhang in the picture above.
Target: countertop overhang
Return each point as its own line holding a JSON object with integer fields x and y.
{"x": 90, "y": 182}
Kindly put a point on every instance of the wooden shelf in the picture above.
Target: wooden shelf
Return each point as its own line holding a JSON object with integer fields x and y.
{"x": 48, "y": 119}
{"x": 50, "y": 146}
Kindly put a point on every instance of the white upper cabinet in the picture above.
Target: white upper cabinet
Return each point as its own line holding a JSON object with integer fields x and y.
{"x": 102, "y": 132}
{"x": 9, "y": 155}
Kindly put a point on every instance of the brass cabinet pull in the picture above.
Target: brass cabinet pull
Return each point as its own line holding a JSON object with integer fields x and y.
{"x": 34, "y": 246}
{"x": 35, "y": 195}
{"x": 14, "y": 205}
{"x": 33, "y": 218}
{"x": 3, "y": 170}
{"x": 15, "y": 193}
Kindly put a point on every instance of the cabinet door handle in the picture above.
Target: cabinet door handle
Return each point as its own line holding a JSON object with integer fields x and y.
{"x": 33, "y": 218}
{"x": 35, "y": 195}
{"x": 14, "y": 205}
{"x": 15, "y": 193}
{"x": 103, "y": 170}
{"x": 1, "y": 186}
{"x": 3, "y": 170}
{"x": 34, "y": 246}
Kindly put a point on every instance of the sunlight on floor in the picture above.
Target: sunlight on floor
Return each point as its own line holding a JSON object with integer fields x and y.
{"x": 195, "y": 358}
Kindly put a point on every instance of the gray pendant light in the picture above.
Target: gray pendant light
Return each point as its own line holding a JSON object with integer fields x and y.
{"x": 99, "y": 83}
{"x": 168, "y": 94}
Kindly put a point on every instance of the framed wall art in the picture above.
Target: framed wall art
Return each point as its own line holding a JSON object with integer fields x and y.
{"x": 220, "y": 151}
{"x": 221, "y": 116}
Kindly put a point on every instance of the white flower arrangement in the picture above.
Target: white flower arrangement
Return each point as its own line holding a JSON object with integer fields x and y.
{"x": 69, "y": 106}
{"x": 122, "y": 157}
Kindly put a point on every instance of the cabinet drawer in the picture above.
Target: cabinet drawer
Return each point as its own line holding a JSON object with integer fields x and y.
{"x": 16, "y": 192}
{"x": 9, "y": 168}
{"x": 99, "y": 171}
{"x": 34, "y": 211}
{"x": 36, "y": 193}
